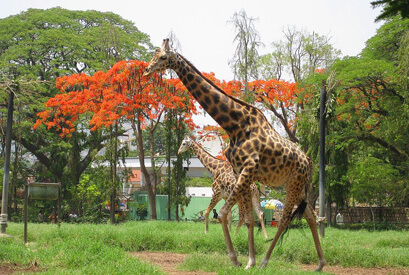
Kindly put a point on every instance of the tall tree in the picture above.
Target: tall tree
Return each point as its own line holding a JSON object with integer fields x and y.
{"x": 245, "y": 60}
{"x": 46, "y": 44}
{"x": 391, "y": 8}
{"x": 298, "y": 56}
{"x": 107, "y": 98}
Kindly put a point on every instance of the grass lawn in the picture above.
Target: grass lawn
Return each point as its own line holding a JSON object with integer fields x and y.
{"x": 104, "y": 249}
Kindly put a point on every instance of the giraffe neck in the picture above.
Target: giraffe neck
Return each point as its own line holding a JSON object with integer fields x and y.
{"x": 209, "y": 161}
{"x": 226, "y": 110}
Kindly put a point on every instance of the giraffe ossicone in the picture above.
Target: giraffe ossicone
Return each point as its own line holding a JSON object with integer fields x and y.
{"x": 256, "y": 152}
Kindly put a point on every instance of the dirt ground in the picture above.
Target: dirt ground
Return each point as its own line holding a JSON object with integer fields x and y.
{"x": 169, "y": 262}
{"x": 10, "y": 269}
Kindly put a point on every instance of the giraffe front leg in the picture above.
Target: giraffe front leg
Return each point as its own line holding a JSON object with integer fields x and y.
{"x": 240, "y": 191}
{"x": 250, "y": 227}
{"x": 229, "y": 220}
{"x": 223, "y": 213}
{"x": 215, "y": 199}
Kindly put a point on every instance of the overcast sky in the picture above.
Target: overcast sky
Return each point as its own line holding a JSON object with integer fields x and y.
{"x": 206, "y": 37}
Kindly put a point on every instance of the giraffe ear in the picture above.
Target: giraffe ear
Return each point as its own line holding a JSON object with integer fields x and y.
{"x": 165, "y": 45}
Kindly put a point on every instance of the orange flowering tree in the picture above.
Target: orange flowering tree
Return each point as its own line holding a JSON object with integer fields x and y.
{"x": 121, "y": 94}
{"x": 283, "y": 99}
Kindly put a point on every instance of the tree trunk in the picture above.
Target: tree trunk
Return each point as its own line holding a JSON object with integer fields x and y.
{"x": 141, "y": 152}
{"x": 373, "y": 216}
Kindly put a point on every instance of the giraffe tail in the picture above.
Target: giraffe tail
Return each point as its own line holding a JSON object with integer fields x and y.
{"x": 297, "y": 214}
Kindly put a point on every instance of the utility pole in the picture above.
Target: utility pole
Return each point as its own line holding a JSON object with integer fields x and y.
{"x": 6, "y": 177}
{"x": 323, "y": 99}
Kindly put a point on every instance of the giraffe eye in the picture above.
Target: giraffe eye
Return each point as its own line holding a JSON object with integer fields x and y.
{"x": 163, "y": 57}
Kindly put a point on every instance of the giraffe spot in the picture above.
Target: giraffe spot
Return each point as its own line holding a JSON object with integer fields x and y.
{"x": 198, "y": 79}
{"x": 190, "y": 77}
{"x": 193, "y": 86}
{"x": 278, "y": 153}
{"x": 216, "y": 98}
{"x": 224, "y": 108}
{"x": 229, "y": 129}
{"x": 235, "y": 115}
{"x": 256, "y": 143}
{"x": 207, "y": 100}
{"x": 199, "y": 94}
{"x": 214, "y": 111}
{"x": 222, "y": 119}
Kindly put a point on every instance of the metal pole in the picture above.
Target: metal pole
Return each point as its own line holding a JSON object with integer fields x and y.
{"x": 4, "y": 205}
{"x": 59, "y": 205}
{"x": 322, "y": 159}
{"x": 25, "y": 211}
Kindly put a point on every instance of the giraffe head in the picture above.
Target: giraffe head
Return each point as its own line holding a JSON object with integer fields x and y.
{"x": 185, "y": 145}
{"x": 164, "y": 58}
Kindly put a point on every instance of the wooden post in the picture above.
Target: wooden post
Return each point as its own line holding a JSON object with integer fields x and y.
{"x": 322, "y": 160}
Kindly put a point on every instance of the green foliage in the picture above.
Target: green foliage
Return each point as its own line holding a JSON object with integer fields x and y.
{"x": 376, "y": 182}
{"x": 367, "y": 114}
{"x": 392, "y": 8}
{"x": 200, "y": 182}
{"x": 387, "y": 41}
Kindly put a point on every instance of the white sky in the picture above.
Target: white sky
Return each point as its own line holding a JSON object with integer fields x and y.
{"x": 207, "y": 39}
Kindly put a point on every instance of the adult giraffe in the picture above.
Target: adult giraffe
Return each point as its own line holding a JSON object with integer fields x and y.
{"x": 223, "y": 183}
{"x": 256, "y": 152}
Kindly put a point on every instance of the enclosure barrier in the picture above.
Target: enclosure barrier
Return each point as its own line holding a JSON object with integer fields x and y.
{"x": 41, "y": 191}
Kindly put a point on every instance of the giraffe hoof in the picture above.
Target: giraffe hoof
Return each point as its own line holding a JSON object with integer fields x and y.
{"x": 263, "y": 264}
{"x": 320, "y": 266}
{"x": 237, "y": 264}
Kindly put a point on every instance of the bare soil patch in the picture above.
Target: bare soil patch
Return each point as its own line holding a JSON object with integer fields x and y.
{"x": 168, "y": 262}
{"x": 11, "y": 269}
{"x": 339, "y": 270}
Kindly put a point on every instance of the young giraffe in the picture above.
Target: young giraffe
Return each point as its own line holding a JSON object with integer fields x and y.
{"x": 256, "y": 152}
{"x": 223, "y": 184}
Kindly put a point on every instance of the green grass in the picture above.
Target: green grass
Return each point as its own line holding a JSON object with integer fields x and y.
{"x": 103, "y": 249}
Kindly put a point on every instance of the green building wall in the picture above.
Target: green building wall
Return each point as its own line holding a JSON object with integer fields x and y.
{"x": 190, "y": 212}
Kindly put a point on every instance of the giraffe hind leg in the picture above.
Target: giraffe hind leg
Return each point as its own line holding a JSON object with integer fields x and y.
{"x": 283, "y": 225}
{"x": 311, "y": 219}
